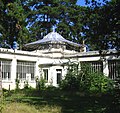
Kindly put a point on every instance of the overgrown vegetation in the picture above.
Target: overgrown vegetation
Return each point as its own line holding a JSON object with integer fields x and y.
{"x": 54, "y": 100}
{"x": 40, "y": 83}
{"x": 17, "y": 83}
{"x": 2, "y": 103}
{"x": 82, "y": 91}
{"x": 86, "y": 81}
{"x": 71, "y": 99}
{"x": 115, "y": 105}
{"x": 16, "y": 107}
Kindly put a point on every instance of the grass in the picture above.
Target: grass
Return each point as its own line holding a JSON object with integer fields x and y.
{"x": 16, "y": 107}
{"x": 55, "y": 101}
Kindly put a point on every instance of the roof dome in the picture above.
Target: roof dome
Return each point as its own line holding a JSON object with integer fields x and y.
{"x": 53, "y": 37}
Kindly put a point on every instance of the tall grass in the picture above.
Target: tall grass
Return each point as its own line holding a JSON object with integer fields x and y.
{"x": 26, "y": 108}
{"x": 2, "y": 103}
{"x": 55, "y": 101}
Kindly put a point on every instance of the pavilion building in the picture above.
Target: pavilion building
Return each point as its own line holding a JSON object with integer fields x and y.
{"x": 48, "y": 58}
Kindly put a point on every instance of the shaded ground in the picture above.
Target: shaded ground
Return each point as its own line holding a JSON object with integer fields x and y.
{"x": 69, "y": 102}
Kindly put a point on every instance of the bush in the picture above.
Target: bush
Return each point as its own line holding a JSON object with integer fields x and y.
{"x": 115, "y": 105}
{"x": 40, "y": 84}
{"x": 100, "y": 83}
{"x": 2, "y": 103}
{"x": 17, "y": 81}
{"x": 84, "y": 80}
{"x": 71, "y": 81}
{"x": 26, "y": 85}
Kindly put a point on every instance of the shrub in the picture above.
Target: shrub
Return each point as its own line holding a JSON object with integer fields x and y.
{"x": 2, "y": 103}
{"x": 71, "y": 81}
{"x": 26, "y": 85}
{"x": 85, "y": 80}
{"x": 40, "y": 83}
{"x": 115, "y": 105}
{"x": 17, "y": 81}
{"x": 100, "y": 83}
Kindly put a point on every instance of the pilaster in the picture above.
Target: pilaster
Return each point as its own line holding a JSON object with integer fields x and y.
{"x": 105, "y": 68}
{"x": 13, "y": 71}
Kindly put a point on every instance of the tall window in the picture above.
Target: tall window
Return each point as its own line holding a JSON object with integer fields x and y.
{"x": 59, "y": 75}
{"x": 94, "y": 66}
{"x": 25, "y": 70}
{"x": 45, "y": 74}
{"x": 6, "y": 69}
{"x": 114, "y": 68}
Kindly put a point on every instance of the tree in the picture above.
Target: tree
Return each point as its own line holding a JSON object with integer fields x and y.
{"x": 65, "y": 16}
{"x": 102, "y": 25}
{"x": 72, "y": 22}
{"x": 29, "y": 20}
{"x": 12, "y": 22}
{"x": 42, "y": 17}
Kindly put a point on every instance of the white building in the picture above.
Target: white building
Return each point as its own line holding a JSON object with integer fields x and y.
{"x": 47, "y": 58}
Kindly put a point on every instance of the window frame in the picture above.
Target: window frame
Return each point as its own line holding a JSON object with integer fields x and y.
{"x": 58, "y": 72}
{"x": 45, "y": 72}
{"x": 25, "y": 68}
{"x": 6, "y": 69}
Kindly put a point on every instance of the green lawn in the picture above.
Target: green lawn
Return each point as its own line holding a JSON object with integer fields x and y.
{"x": 55, "y": 101}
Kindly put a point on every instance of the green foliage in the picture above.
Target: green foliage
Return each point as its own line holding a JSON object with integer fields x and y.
{"x": 30, "y": 20}
{"x": 100, "y": 83}
{"x": 13, "y": 23}
{"x": 71, "y": 81}
{"x": 115, "y": 106}
{"x": 85, "y": 80}
{"x": 2, "y": 103}
{"x": 116, "y": 102}
{"x": 26, "y": 85}
{"x": 68, "y": 102}
{"x": 102, "y": 25}
{"x": 40, "y": 83}
{"x": 17, "y": 81}
{"x": 64, "y": 15}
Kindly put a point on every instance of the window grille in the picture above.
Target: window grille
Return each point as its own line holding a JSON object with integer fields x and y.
{"x": 114, "y": 68}
{"x": 94, "y": 66}
{"x": 25, "y": 70}
{"x": 6, "y": 69}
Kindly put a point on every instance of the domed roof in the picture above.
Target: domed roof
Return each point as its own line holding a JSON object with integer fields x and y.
{"x": 53, "y": 37}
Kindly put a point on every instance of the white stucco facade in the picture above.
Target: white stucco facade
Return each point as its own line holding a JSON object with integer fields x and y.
{"x": 49, "y": 63}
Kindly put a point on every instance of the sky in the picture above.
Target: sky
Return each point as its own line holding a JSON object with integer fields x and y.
{"x": 81, "y": 2}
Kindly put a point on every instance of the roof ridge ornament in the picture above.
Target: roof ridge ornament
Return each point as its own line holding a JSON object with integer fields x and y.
{"x": 53, "y": 29}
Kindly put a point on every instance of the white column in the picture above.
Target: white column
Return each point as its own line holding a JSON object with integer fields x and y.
{"x": 13, "y": 72}
{"x": 64, "y": 72}
{"x": 37, "y": 69}
{"x": 105, "y": 68}
{"x": 53, "y": 73}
